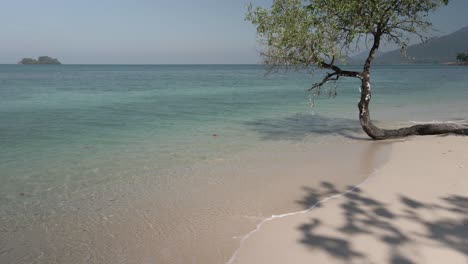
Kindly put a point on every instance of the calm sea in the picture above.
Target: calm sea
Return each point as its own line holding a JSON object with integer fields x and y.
{"x": 78, "y": 138}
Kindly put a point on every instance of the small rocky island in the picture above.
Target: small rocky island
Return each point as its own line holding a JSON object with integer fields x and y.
{"x": 40, "y": 60}
{"x": 462, "y": 59}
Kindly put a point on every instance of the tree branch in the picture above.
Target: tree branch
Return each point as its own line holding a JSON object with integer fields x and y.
{"x": 335, "y": 75}
{"x": 370, "y": 57}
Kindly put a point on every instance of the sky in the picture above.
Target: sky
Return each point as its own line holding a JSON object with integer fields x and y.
{"x": 146, "y": 31}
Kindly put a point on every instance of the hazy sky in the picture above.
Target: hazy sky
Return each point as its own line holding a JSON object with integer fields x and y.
{"x": 145, "y": 31}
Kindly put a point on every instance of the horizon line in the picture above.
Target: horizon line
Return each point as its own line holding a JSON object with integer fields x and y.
{"x": 142, "y": 64}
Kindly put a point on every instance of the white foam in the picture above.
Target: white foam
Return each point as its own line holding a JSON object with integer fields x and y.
{"x": 273, "y": 217}
{"x": 460, "y": 121}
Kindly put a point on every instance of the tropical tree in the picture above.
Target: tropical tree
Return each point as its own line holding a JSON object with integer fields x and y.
{"x": 462, "y": 57}
{"x": 319, "y": 33}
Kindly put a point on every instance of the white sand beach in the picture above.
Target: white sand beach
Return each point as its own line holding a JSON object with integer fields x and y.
{"x": 414, "y": 209}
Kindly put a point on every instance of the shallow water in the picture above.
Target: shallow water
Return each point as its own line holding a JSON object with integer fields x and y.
{"x": 165, "y": 164}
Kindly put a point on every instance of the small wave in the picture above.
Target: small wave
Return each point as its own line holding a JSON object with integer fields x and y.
{"x": 273, "y": 217}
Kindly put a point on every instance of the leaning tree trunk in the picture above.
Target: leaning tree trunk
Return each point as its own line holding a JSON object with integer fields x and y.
{"x": 378, "y": 134}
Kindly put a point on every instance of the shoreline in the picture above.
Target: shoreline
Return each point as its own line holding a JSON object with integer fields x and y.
{"x": 391, "y": 218}
{"x": 455, "y": 63}
{"x": 232, "y": 196}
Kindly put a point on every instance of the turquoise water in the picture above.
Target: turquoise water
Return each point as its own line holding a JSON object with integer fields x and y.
{"x": 68, "y": 128}
{"x": 58, "y": 116}
{"x": 71, "y": 120}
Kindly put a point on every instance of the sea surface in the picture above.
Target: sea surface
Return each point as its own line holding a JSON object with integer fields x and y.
{"x": 102, "y": 163}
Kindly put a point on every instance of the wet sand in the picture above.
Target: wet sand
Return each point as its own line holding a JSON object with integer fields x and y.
{"x": 133, "y": 221}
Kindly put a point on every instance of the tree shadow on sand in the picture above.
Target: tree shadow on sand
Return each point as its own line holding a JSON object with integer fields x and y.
{"x": 363, "y": 215}
{"x": 297, "y": 127}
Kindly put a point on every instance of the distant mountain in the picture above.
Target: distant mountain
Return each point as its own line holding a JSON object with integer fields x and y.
{"x": 435, "y": 50}
{"x": 40, "y": 60}
{"x": 361, "y": 57}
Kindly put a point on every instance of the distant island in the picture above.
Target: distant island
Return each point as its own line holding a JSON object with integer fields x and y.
{"x": 40, "y": 60}
{"x": 462, "y": 58}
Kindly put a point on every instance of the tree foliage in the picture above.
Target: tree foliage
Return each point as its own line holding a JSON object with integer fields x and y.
{"x": 462, "y": 57}
{"x": 301, "y": 33}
